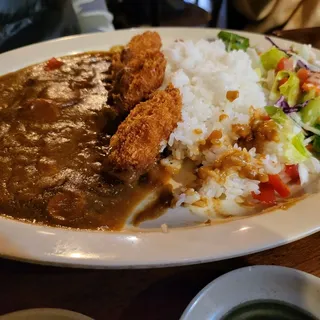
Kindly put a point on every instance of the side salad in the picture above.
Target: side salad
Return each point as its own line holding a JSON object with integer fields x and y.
{"x": 291, "y": 80}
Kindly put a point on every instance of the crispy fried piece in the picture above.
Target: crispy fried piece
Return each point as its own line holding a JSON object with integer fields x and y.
{"x": 135, "y": 146}
{"x": 136, "y": 72}
{"x": 149, "y": 40}
{"x": 136, "y": 48}
{"x": 137, "y": 80}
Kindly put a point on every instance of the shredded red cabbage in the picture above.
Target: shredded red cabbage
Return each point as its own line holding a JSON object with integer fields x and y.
{"x": 283, "y": 104}
{"x": 308, "y": 66}
{"x": 301, "y": 64}
{"x": 275, "y": 45}
{"x": 302, "y": 105}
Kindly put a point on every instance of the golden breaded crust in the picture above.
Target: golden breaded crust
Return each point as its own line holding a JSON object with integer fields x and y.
{"x": 136, "y": 144}
{"x": 136, "y": 72}
{"x": 149, "y": 40}
{"x": 137, "y": 47}
{"x": 138, "y": 79}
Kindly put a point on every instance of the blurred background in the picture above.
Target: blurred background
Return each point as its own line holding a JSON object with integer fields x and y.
{"x": 24, "y": 22}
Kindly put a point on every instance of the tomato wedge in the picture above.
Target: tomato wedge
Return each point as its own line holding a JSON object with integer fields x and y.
{"x": 53, "y": 64}
{"x": 265, "y": 117}
{"x": 285, "y": 64}
{"x": 282, "y": 81}
{"x": 303, "y": 75}
{"x": 278, "y": 185}
{"x": 266, "y": 195}
{"x": 293, "y": 172}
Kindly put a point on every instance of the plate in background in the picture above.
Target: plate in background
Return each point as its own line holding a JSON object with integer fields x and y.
{"x": 44, "y": 314}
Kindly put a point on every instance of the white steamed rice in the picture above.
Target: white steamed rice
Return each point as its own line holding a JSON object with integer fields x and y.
{"x": 204, "y": 72}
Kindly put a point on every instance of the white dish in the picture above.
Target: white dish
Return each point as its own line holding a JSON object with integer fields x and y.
{"x": 44, "y": 314}
{"x": 248, "y": 284}
{"x": 148, "y": 246}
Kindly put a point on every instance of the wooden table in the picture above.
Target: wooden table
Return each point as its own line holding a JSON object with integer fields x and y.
{"x": 134, "y": 294}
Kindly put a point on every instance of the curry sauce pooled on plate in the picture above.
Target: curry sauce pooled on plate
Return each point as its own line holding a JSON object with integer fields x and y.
{"x": 55, "y": 132}
{"x": 216, "y": 127}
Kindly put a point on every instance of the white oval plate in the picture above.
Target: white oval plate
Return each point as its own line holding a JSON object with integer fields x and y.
{"x": 44, "y": 314}
{"x": 147, "y": 247}
{"x": 247, "y": 284}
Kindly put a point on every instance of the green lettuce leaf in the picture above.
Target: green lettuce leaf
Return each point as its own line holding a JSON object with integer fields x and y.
{"x": 290, "y": 89}
{"x": 309, "y": 95}
{"x": 276, "y": 114}
{"x": 310, "y": 114}
{"x": 271, "y": 58}
{"x": 294, "y": 149}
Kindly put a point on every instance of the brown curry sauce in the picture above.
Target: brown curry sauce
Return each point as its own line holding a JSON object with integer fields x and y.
{"x": 55, "y": 126}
